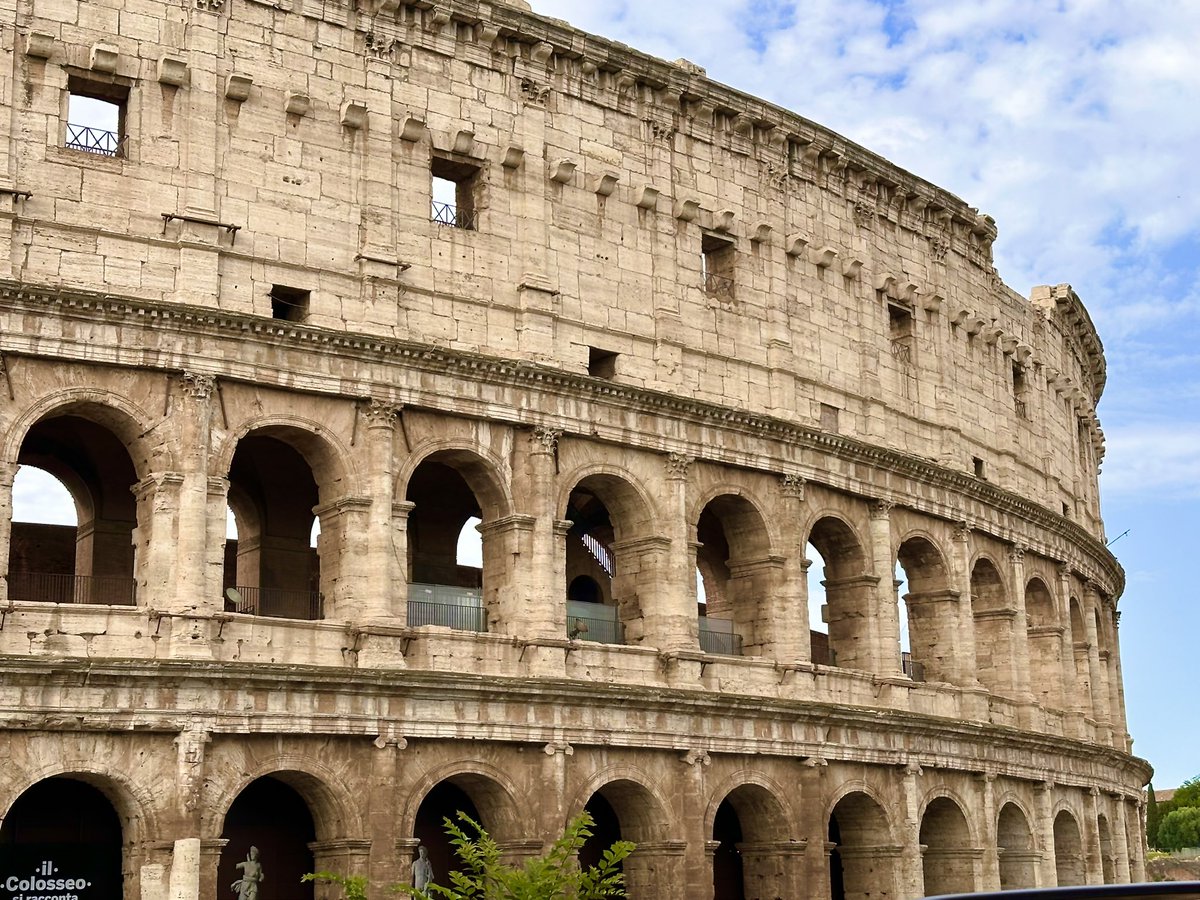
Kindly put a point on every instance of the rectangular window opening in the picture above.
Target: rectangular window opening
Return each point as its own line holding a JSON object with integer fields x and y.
{"x": 1020, "y": 391}
{"x": 717, "y": 256}
{"x": 980, "y": 472}
{"x": 829, "y": 418}
{"x": 900, "y": 331}
{"x": 289, "y": 304}
{"x": 454, "y": 184}
{"x": 96, "y": 116}
{"x": 602, "y": 363}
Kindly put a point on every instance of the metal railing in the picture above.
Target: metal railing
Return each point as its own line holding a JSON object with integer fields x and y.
{"x": 450, "y": 615}
{"x": 600, "y": 552}
{"x": 601, "y": 631}
{"x": 452, "y": 215}
{"x": 280, "y": 603}
{"x": 101, "y": 590}
{"x": 717, "y": 636}
{"x": 902, "y": 351}
{"x": 93, "y": 140}
{"x": 912, "y": 668}
{"x": 719, "y": 286}
{"x": 1022, "y": 409}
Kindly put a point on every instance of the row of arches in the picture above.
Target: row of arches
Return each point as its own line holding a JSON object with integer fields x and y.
{"x": 80, "y": 826}
{"x": 635, "y": 554}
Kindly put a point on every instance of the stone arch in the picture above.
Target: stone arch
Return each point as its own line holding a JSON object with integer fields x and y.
{"x": 932, "y": 609}
{"x": 740, "y": 573}
{"x": 448, "y": 484}
{"x": 625, "y": 807}
{"x": 950, "y": 862}
{"x": 749, "y": 828}
{"x": 994, "y": 616}
{"x": 849, "y": 590}
{"x": 1018, "y": 856}
{"x": 1044, "y": 633}
{"x": 1069, "y": 862}
{"x": 284, "y": 474}
{"x": 334, "y": 811}
{"x": 864, "y": 862}
{"x": 613, "y": 538}
{"x": 95, "y": 444}
{"x": 490, "y": 789}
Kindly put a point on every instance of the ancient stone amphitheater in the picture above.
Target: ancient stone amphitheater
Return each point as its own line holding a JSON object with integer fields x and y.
{"x": 415, "y": 272}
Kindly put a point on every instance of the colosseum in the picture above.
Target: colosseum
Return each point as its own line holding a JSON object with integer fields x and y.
{"x": 464, "y": 412}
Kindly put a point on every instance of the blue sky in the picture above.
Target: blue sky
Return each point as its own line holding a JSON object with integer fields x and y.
{"x": 1076, "y": 125}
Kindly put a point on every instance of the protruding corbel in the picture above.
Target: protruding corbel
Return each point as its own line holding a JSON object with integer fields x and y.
{"x": 761, "y": 233}
{"x": 514, "y": 155}
{"x": 541, "y": 52}
{"x": 297, "y": 103}
{"x": 562, "y": 170}
{"x": 796, "y": 244}
{"x": 354, "y": 114}
{"x": 172, "y": 70}
{"x": 606, "y": 183}
{"x": 103, "y": 58}
{"x": 723, "y": 221}
{"x": 822, "y": 258}
{"x": 648, "y": 199}
{"x": 412, "y": 129}
{"x": 686, "y": 209}
{"x": 852, "y": 267}
{"x": 464, "y": 141}
{"x": 237, "y": 87}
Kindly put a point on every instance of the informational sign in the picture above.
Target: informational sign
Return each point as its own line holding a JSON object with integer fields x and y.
{"x": 58, "y": 872}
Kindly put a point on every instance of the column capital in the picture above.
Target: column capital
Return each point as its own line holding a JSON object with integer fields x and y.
{"x": 678, "y": 465}
{"x": 544, "y": 439}
{"x": 381, "y": 413}
{"x": 882, "y": 509}
{"x": 792, "y": 485}
{"x": 1016, "y": 554}
{"x": 197, "y": 385}
{"x": 962, "y": 531}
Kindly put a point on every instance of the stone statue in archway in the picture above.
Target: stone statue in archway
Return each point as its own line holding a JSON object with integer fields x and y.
{"x": 422, "y": 870}
{"x": 246, "y": 887}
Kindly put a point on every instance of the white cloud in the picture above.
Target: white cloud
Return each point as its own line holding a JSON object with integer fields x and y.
{"x": 1154, "y": 461}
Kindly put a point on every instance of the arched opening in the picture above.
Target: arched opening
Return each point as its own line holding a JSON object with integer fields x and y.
{"x": 948, "y": 862}
{"x": 1069, "y": 863}
{"x": 932, "y": 609}
{"x": 608, "y": 543}
{"x": 1018, "y": 858}
{"x": 1080, "y": 646}
{"x": 818, "y": 610}
{"x": 91, "y": 561}
{"x": 624, "y": 810}
{"x": 448, "y": 554}
{"x": 848, "y": 590}
{"x": 1045, "y": 645}
{"x": 272, "y": 569}
{"x": 751, "y": 848}
{"x": 734, "y": 562}
{"x": 444, "y": 801}
{"x": 1108, "y": 859}
{"x": 994, "y": 616}
{"x": 863, "y": 860}
{"x": 59, "y": 830}
{"x": 271, "y": 817}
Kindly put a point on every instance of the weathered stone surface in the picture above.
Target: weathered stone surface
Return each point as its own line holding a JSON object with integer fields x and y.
{"x": 399, "y": 268}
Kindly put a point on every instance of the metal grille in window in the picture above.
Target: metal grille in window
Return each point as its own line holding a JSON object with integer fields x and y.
{"x": 902, "y": 351}
{"x": 1022, "y": 409}
{"x": 719, "y": 286}
{"x": 93, "y": 140}
{"x": 449, "y": 214}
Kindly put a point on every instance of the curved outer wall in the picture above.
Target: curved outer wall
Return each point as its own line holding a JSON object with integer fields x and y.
{"x": 713, "y": 329}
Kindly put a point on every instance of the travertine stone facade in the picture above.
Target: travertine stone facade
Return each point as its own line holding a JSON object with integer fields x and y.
{"x": 653, "y": 326}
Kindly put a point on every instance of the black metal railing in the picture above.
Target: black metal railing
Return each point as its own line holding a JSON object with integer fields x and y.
{"x": 450, "y": 615}
{"x": 280, "y": 603}
{"x": 719, "y": 286}
{"x": 101, "y": 590}
{"x": 93, "y": 140}
{"x": 602, "y": 631}
{"x": 902, "y": 351}
{"x": 717, "y": 636}
{"x": 912, "y": 668}
{"x": 452, "y": 215}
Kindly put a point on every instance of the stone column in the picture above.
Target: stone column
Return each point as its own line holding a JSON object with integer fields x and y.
{"x": 8, "y": 471}
{"x": 771, "y": 868}
{"x": 912, "y": 875}
{"x": 210, "y": 859}
{"x": 1045, "y": 834}
{"x": 655, "y": 871}
{"x": 691, "y": 788}
{"x": 399, "y": 536}
{"x": 194, "y": 587}
{"x": 789, "y": 612}
{"x": 542, "y": 582}
{"x": 1020, "y": 635}
{"x": 1091, "y": 837}
{"x": 379, "y": 565}
{"x": 1137, "y": 860}
{"x": 1116, "y": 681}
{"x": 974, "y": 696}
{"x": 668, "y": 601}
{"x": 885, "y": 641}
{"x": 1120, "y": 826}
{"x": 987, "y": 826}
{"x": 159, "y": 543}
{"x": 342, "y": 543}
{"x": 1095, "y": 673}
{"x": 814, "y": 828}
{"x": 344, "y": 856}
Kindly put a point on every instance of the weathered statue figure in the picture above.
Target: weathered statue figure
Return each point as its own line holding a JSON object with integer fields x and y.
{"x": 422, "y": 870}
{"x": 252, "y": 873}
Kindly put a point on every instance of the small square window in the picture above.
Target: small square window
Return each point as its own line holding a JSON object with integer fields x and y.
{"x": 980, "y": 472}
{"x": 289, "y": 304}
{"x": 96, "y": 116}
{"x": 454, "y": 188}
{"x": 602, "y": 363}
{"x": 717, "y": 256}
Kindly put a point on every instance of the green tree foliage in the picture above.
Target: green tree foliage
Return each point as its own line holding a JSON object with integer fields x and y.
{"x": 1186, "y": 798}
{"x": 554, "y": 876}
{"x": 1180, "y": 828}
{"x": 1153, "y": 816}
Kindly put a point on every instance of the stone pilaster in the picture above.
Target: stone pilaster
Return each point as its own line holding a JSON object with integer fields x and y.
{"x": 671, "y": 619}
{"x": 885, "y": 640}
{"x": 1020, "y": 635}
{"x": 1045, "y": 833}
{"x": 814, "y": 826}
{"x": 987, "y": 829}
{"x": 912, "y": 875}
{"x": 1116, "y": 680}
{"x": 8, "y": 472}
{"x": 1092, "y": 848}
{"x": 1095, "y": 671}
{"x": 789, "y": 609}
{"x": 379, "y": 599}
{"x": 1120, "y": 829}
{"x": 543, "y": 580}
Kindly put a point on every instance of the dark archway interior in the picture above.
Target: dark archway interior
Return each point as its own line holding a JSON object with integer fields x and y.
{"x": 442, "y": 503}
{"x": 605, "y": 832}
{"x": 271, "y": 816}
{"x": 444, "y": 801}
{"x": 837, "y": 881}
{"x": 728, "y": 876}
{"x": 63, "y": 828}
